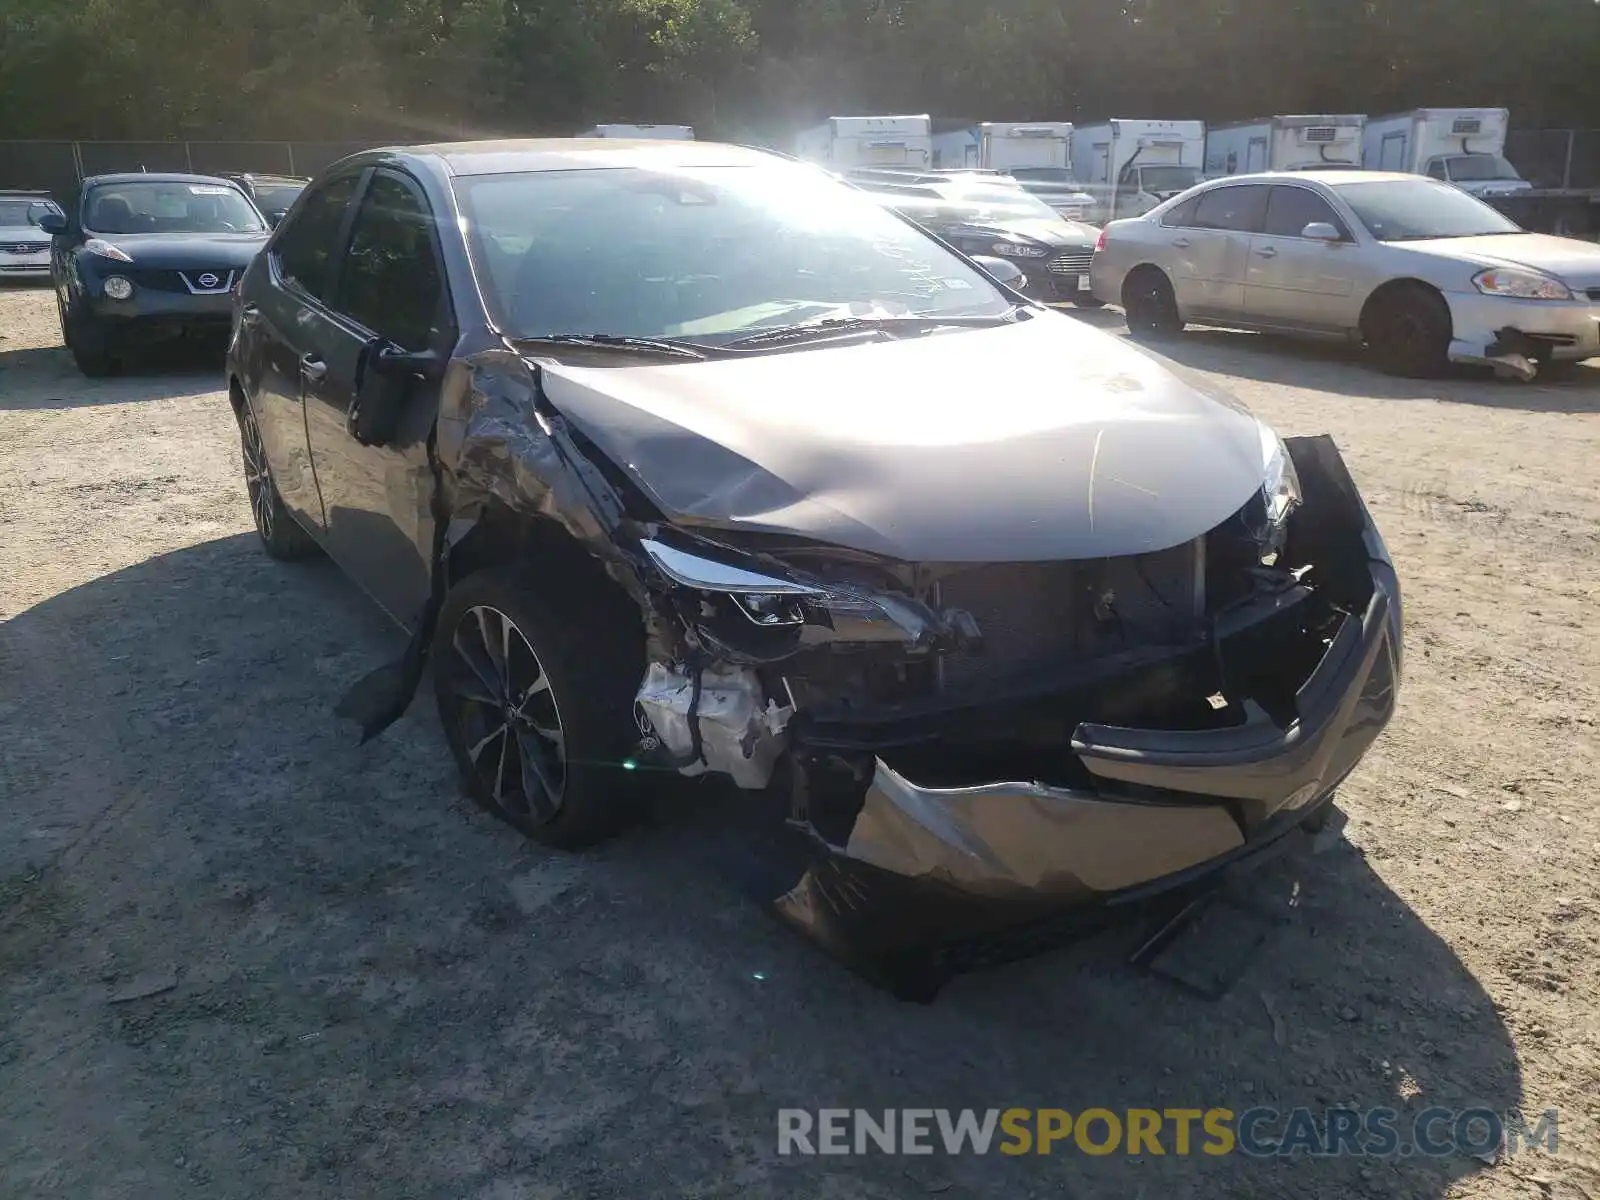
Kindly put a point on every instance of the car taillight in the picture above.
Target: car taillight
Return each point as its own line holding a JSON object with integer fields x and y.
{"x": 1100, "y": 242}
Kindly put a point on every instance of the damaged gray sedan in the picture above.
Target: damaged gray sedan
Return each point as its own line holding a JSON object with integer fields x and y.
{"x": 684, "y": 459}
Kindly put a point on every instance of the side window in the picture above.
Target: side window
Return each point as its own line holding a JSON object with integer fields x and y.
{"x": 1182, "y": 215}
{"x": 305, "y": 248}
{"x": 1436, "y": 169}
{"x": 1238, "y": 209}
{"x": 391, "y": 282}
{"x": 1291, "y": 209}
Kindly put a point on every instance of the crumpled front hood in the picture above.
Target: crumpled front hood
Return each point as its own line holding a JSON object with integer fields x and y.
{"x": 1568, "y": 259}
{"x": 1037, "y": 441}
{"x": 179, "y": 251}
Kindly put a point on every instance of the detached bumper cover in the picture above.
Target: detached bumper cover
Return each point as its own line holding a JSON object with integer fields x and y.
{"x": 1564, "y": 330}
{"x": 978, "y": 874}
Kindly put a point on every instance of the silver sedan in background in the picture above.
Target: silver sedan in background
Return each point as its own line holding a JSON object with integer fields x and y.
{"x": 1416, "y": 270}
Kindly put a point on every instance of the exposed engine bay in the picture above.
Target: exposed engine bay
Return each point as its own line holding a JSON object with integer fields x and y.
{"x": 961, "y": 675}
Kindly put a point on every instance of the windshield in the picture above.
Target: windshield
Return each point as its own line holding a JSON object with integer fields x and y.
{"x": 1472, "y": 168}
{"x": 142, "y": 206}
{"x": 706, "y": 254}
{"x": 1398, "y": 210}
{"x": 998, "y": 202}
{"x": 16, "y": 213}
{"x": 1162, "y": 180}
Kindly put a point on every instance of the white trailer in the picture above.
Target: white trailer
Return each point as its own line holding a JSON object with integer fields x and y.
{"x": 845, "y": 142}
{"x": 1464, "y": 146}
{"x": 649, "y": 133}
{"x": 1297, "y": 143}
{"x": 1002, "y": 145}
{"x": 1130, "y": 166}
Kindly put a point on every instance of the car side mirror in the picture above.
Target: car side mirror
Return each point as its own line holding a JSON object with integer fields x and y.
{"x": 1321, "y": 231}
{"x": 273, "y": 218}
{"x": 1003, "y": 269}
{"x": 384, "y": 382}
{"x": 53, "y": 223}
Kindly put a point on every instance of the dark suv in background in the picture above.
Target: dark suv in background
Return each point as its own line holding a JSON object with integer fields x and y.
{"x": 272, "y": 194}
{"x": 145, "y": 257}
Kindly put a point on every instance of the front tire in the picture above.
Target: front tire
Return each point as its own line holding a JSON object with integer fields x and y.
{"x": 536, "y": 699}
{"x": 281, "y": 535}
{"x": 1083, "y": 300}
{"x": 88, "y": 341}
{"x": 1408, "y": 330}
{"x": 1150, "y": 305}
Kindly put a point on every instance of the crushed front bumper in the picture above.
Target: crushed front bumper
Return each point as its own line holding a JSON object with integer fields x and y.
{"x": 1498, "y": 330}
{"x": 953, "y": 878}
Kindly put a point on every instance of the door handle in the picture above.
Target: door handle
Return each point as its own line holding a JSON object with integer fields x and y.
{"x": 1181, "y": 243}
{"x": 1267, "y": 252}
{"x": 313, "y": 368}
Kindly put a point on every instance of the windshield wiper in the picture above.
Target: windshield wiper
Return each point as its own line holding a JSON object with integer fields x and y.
{"x": 669, "y": 346}
{"x": 890, "y": 325}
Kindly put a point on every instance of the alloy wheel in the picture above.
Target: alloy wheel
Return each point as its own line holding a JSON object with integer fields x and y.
{"x": 257, "y": 480}
{"x": 509, "y": 720}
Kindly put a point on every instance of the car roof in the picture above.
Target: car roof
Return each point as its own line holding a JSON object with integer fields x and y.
{"x": 577, "y": 154}
{"x": 264, "y": 177}
{"x": 154, "y": 177}
{"x": 1330, "y": 178}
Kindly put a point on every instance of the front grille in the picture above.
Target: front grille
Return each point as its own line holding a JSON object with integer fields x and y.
{"x": 23, "y": 247}
{"x": 1028, "y": 612}
{"x": 153, "y": 279}
{"x": 1074, "y": 262}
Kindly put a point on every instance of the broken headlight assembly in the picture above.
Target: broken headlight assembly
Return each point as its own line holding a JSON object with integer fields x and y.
{"x": 1280, "y": 495}
{"x": 757, "y": 613}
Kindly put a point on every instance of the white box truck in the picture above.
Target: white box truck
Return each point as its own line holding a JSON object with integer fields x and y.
{"x": 649, "y": 133}
{"x": 1290, "y": 143}
{"x": 1002, "y": 145}
{"x": 845, "y": 142}
{"x": 1464, "y": 146}
{"x": 1130, "y": 166}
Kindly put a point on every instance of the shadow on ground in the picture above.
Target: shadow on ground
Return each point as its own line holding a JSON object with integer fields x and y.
{"x": 1565, "y": 387}
{"x": 242, "y": 956}
{"x": 45, "y": 377}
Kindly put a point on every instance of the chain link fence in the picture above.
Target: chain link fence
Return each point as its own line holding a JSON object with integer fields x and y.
{"x": 58, "y": 167}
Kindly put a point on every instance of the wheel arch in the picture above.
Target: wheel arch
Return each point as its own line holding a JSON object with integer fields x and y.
{"x": 1388, "y": 288}
{"x": 543, "y": 547}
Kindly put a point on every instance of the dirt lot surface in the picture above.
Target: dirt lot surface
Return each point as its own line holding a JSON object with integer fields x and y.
{"x": 242, "y": 957}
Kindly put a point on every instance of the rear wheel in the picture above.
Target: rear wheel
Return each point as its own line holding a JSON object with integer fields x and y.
{"x": 1150, "y": 305}
{"x": 281, "y": 535}
{"x": 537, "y": 706}
{"x": 1085, "y": 300}
{"x": 1407, "y": 329}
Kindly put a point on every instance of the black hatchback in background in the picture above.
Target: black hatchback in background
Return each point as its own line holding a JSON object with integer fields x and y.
{"x": 272, "y": 194}
{"x": 146, "y": 257}
{"x": 995, "y": 217}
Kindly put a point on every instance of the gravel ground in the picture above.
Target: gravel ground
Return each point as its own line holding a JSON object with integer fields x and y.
{"x": 241, "y": 956}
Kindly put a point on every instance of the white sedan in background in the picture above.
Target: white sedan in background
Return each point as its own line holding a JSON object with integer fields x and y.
{"x": 24, "y": 247}
{"x": 1417, "y": 270}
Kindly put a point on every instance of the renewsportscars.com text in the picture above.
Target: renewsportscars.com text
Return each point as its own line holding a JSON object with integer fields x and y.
{"x": 1255, "y": 1132}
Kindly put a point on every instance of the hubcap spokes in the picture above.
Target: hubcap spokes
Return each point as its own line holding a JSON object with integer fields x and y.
{"x": 256, "y": 480}
{"x": 509, "y": 719}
